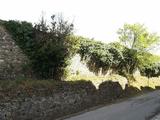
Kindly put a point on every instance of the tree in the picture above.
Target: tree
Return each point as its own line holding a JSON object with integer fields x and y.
{"x": 137, "y": 37}
{"x": 48, "y": 47}
{"x": 150, "y": 66}
{"x": 137, "y": 42}
{"x": 55, "y": 47}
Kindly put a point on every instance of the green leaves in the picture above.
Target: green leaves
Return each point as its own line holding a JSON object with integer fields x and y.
{"x": 22, "y": 33}
{"x": 138, "y": 42}
{"x": 125, "y": 57}
{"x": 136, "y": 36}
{"x": 49, "y": 48}
{"x": 99, "y": 55}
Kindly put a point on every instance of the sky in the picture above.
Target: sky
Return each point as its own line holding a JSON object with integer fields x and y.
{"x": 98, "y": 19}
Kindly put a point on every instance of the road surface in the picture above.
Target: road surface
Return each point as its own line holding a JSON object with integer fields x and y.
{"x": 138, "y": 108}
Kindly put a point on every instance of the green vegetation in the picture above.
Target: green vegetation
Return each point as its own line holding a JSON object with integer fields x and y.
{"x": 100, "y": 56}
{"x": 50, "y": 48}
{"x": 138, "y": 42}
{"x": 126, "y": 56}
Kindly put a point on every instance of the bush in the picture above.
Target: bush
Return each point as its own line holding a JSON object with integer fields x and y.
{"x": 110, "y": 90}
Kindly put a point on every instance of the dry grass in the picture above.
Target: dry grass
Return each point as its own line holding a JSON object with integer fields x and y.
{"x": 144, "y": 81}
{"x": 140, "y": 80}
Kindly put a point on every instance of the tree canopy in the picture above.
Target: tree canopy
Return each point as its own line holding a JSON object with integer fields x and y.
{"x": 138, "y": 41}
{"x": 137, "y": 37}
{"x": 123, "y": 57}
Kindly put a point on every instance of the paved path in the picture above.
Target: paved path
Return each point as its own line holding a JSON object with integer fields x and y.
{"x": 138, "y": 108}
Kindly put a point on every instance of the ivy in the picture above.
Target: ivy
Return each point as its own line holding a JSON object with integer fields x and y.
{"x": 99, "y": 56}
{"x": 122, "y": 60}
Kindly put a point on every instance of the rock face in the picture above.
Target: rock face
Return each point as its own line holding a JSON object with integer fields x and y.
{"x": 77, "y": 66}
{"x": 12, "y": 60}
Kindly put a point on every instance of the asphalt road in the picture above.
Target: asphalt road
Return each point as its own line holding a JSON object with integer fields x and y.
{"x": 138, "y": 108}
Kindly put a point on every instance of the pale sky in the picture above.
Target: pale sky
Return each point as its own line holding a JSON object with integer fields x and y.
{"x": 99, "y": 19}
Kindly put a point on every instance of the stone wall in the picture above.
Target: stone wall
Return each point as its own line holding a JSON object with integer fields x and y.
{"x": 57, "y": 99}
{"x": 47, "y": 104}
{"x": 12, "y": 60}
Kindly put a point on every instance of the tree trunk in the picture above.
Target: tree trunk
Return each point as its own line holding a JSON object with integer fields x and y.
{"x": 130, "y": 78}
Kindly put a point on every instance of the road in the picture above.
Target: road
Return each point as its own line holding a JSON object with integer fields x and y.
{"x": 137, "y": 108}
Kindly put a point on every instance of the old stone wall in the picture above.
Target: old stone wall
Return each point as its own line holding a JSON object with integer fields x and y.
{"x": 12, "y": 59}
{"x": 63, "y": 98}
{"x": 47, "y": 104}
